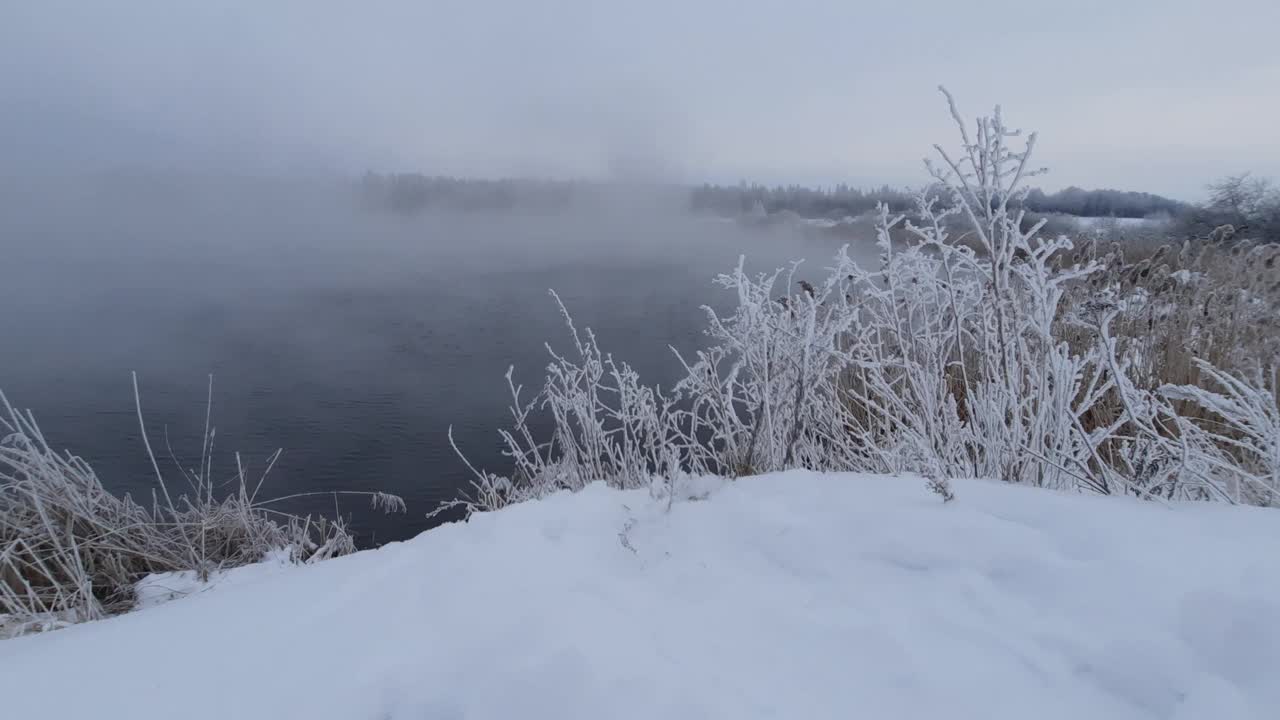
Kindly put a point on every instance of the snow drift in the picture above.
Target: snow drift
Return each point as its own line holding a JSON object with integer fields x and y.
{"x": 788, "y": 595}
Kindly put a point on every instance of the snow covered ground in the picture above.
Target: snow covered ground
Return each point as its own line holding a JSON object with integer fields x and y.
{"x": 787, "y": 596}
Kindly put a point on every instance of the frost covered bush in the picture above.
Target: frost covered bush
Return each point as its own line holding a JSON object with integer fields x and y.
{"x": 1188, "y": 322}
{"x": 1215, "y": 302}
{"x": 71, "y": 552}
{"x": 979, "y": 347}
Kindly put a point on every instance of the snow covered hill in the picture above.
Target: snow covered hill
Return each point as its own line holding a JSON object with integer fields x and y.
{"x": 793, "y": 595}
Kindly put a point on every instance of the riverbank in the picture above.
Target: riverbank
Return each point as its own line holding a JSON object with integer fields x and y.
{"x": 787, "y": 595}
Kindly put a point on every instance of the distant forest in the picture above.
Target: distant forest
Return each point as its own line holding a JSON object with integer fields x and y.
{"x": 1251, "y": 206}
{"x": 846, "y": 201}
{"x": 413, "y": 192}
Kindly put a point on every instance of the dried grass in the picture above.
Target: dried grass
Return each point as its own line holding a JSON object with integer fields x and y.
{"x": 70, "y": 551}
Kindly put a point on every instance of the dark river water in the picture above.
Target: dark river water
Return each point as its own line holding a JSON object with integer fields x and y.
{"x": 352, "y": 340}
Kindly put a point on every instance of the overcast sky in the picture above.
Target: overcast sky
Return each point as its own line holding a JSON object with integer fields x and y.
{"x": 1159, "y": 95}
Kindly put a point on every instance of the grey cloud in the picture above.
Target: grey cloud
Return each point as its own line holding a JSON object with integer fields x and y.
{"x": 803, "y": 91}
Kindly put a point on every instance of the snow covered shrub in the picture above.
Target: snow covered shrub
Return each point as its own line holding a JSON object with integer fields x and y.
{"x": 1197, "y": 314}
{"x": 957, "y": 367}
{"x": 1216, "y": 303}
{"x": 767, "y": 390}
{"x": 1237, "y": 438}
{"x": 608, "y": 427}
{"x": 979, "y": 347}
{"x": 71, "y": 552}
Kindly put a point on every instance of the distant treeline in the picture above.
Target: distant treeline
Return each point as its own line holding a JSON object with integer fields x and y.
{"x": 413, "y": 192}
{"x": 1251, "y": 206}
{"x": 1104, "y": 203}
{"x": 844, "y": 200}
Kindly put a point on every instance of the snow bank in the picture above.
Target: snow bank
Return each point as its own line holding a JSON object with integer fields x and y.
{"x": 793, "y": 595}
{"x": 159, "y": 588}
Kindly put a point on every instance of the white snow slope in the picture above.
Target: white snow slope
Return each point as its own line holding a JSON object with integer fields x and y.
{"x": 786, "y": 596}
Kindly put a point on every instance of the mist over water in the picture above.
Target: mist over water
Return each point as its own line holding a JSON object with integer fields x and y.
{"x": 351, "y": 338}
